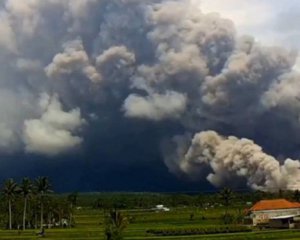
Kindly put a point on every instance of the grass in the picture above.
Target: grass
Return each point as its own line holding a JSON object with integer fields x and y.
{"x": 89, "y": 225}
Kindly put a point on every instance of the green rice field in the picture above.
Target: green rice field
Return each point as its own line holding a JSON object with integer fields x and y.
{"x": 90, "y": 225}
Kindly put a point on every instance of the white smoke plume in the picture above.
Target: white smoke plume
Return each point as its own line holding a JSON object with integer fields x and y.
{"x": 155, "y": 107}
{"x": 52, "y": 133}
{"x": 119, "y": 53}
{"x": 73, "y": 59}
{"x": 229, "y": 157}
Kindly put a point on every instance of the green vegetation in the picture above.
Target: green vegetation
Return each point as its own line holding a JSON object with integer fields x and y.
{"x": 115, "y": 225}
{"x": 26, "y": 189}
{"x": 198, "y": 231}
{"x": 9, "y": 192}
{"x": 90, "y": 225}
{"x": 30, "y": 206}
{"x": 42, "y": 187}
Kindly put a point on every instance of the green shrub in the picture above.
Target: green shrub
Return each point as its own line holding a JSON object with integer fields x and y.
{"x": 228, "y": 218}
{"x": 198, "y": 231}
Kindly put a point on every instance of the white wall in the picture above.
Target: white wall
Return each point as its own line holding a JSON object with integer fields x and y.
{"x": 264, "y": 216}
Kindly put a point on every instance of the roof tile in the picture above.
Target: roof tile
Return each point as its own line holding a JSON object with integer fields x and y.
{"x": 274, "y": 204}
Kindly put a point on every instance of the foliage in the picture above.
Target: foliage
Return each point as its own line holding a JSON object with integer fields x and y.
{"x": 72, "y": 198}
{"x": 10, "y": 189}
{"x": 115, "y": 225}
{"x": 226, "y": 196}
{"x": 42, "y": 188}
{"x": 91, "y": 223}
{"x": 21, "y": 205}
{"x": 26, "y": 188}
{"x": 198, "y": 231}
{"x": 228, "y": 218}
{"x": 296, "y": 195}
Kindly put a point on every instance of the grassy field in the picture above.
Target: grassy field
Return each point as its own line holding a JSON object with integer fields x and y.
{"x": 90, "y": 225}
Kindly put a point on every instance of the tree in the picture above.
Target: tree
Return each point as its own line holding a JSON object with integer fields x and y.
{"x": 72, "y": 200}
{"x": 62, "y": 210}
{"x": 50, "y": 208}
{"x": 297, "y": 195}
{"x": 26, "y": 190}
{"x": 280, "y": 193}
{"x": 115, "y": 225}
{"x": 42, "y": 187}
{"x": 10, "y": 189}
{"x": 226, "y": 195}
{"x": 34, "y": 207}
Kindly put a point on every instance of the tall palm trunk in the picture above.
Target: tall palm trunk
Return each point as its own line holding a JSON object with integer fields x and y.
{"x": 9, "y": 212}
{"x": 42, "y": 188}
{"x": 49, "y": 219}
{"x": 35, "y": 219}
{"x": 71, "y": 216}
{"x": 60, "y": 218}
{"x": 42, "y": 213}
{"x": 24, "y": 213}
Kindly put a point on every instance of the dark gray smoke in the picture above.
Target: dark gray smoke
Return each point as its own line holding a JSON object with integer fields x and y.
{"x": 232, "y": 157}
{"x": 69, "y": 66}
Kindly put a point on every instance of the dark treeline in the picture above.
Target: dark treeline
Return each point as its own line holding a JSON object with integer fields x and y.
{"x": 149, "y": 200}
{"x": 32, "y": 204}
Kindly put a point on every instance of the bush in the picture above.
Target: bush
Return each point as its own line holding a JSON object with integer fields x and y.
{"x": 198, "y": 231}
{"x": 228, "y": 218}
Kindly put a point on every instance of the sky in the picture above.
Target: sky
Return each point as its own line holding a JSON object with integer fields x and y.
{"x": 153, "y": 95}
{"x": 271, "y": 22}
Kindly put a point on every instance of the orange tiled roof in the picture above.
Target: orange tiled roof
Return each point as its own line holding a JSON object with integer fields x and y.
{"x": 274, "y": 204}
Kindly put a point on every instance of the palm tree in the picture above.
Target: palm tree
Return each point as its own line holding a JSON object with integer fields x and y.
{"x": 43, "y": 187}
{"x": 9, "y": 190}
{"x": 296, "y": 195}
{"x": 72, "y": 200}
{"x": 49, "y": 208}
{"x": 26, "y": 190}
{"x": 115, "y": 225}
{"x": 280, "y": 193}
{"x": 226, "y": 195}
{"x": 33, "y": 208}
{"x": 63, "y": 210}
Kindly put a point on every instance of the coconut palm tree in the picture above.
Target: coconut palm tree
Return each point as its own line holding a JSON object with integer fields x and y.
{"x": 72, "y": 200}
{"x": 226, "y": 195}
{"x": 26, "y": 190}
{"x": 49, "y": 209}
{"x": 115, "y": 225}
{"x": 42, "y": 188}
{"x": 10, "y": 189}
{"x": 296, "y": 196}
{"x": 63, "y": 211}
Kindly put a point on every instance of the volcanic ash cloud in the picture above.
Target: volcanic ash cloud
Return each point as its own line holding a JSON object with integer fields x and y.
{"x": 52, "y": 133}
{"x": 229, "y": 157}
{"x": 104, "y": 68}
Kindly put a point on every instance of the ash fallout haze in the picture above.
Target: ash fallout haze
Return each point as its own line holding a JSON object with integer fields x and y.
{"x": 152, "y": 95}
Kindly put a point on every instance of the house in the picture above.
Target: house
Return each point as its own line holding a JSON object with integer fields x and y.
{"x": 277, "y": 213}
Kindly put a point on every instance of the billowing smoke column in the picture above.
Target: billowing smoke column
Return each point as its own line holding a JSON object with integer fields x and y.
{"x": 69, "y": 66}
{"x": 232, "y": 157}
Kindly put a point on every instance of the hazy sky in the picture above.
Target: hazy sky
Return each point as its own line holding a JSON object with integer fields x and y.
{"x": 270, "y": 21}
